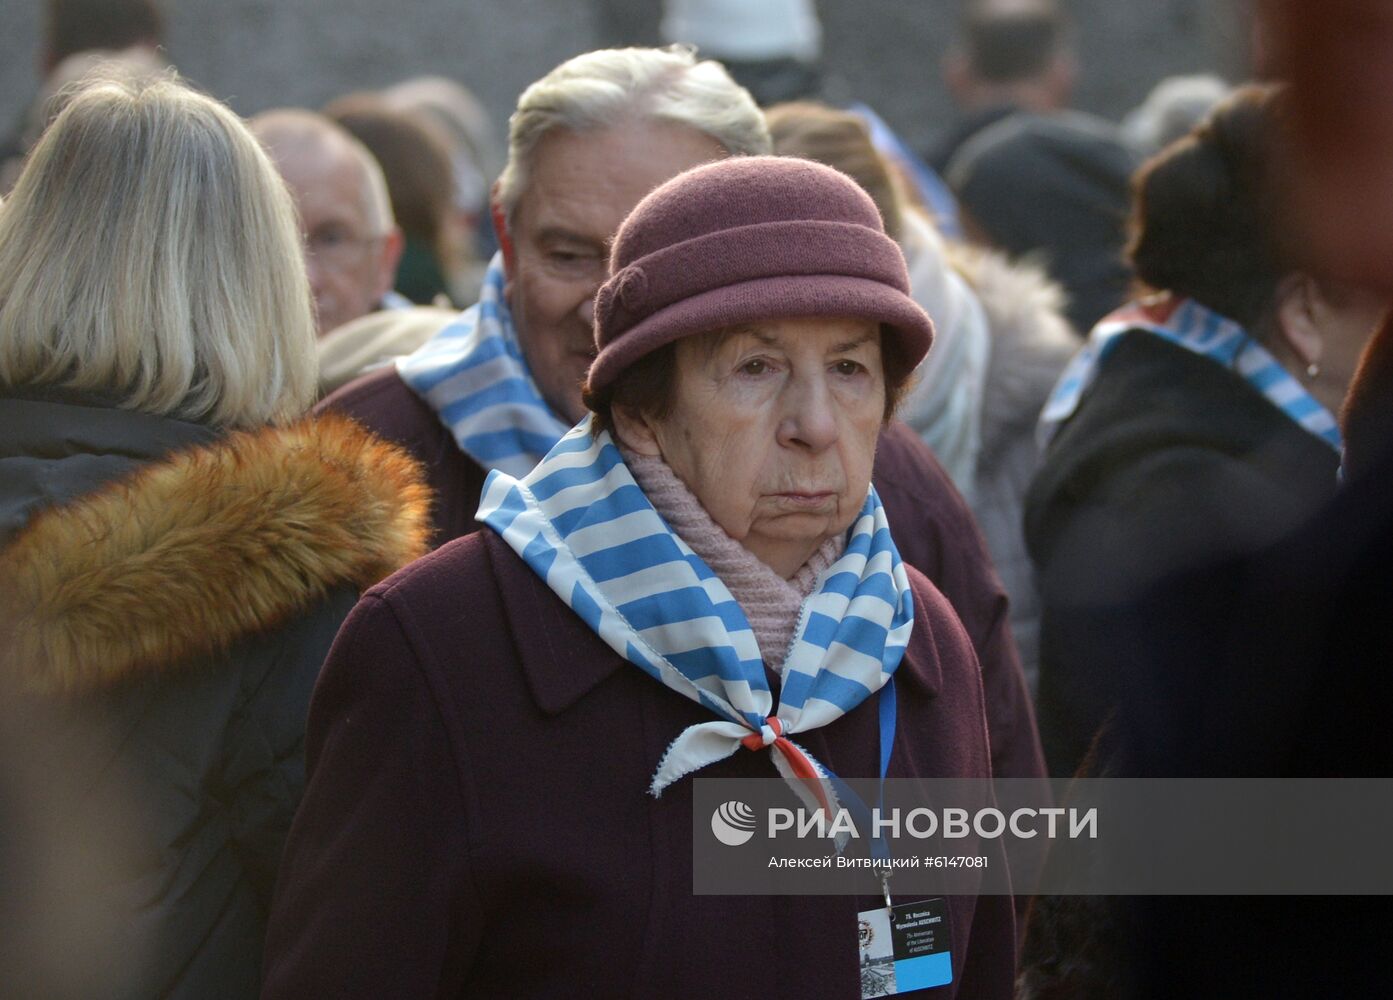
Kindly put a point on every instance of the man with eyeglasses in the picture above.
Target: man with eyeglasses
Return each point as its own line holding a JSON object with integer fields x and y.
{"x": 352, "y": 243}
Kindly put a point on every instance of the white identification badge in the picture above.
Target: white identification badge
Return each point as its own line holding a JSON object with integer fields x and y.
{"x": 904, "y": 948}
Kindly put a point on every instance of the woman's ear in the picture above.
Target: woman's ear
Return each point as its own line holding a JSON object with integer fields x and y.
{"x": 635, "y": 431}
{"x": 1300, "y": 318}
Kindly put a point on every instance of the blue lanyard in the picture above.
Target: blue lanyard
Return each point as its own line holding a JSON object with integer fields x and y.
{"x": 861, "y": 816}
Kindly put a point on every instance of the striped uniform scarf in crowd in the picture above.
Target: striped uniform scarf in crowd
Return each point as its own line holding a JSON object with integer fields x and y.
{"x": 583, "y": 525}
{"x": 473, "y": 374}
{"x": 1188, "y": 324}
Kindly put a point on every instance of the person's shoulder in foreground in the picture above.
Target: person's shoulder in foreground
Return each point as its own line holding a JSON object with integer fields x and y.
{"x": 388, "y": 407}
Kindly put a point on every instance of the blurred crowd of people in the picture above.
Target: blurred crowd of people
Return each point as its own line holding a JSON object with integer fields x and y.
{"x": 392, "y": 522}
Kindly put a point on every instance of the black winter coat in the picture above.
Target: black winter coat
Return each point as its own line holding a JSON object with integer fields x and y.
{"x": 167, "y": 596}
{"x": 1170, "y": 464}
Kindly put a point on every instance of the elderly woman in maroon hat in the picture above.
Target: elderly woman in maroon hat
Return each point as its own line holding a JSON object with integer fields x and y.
{"x": 698, "y": 578}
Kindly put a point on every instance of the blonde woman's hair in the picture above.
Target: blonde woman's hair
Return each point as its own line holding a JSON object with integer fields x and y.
{"x": 150, "y": 252}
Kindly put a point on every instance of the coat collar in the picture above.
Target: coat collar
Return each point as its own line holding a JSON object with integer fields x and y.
{"x": 195, "y": 550}
{"x": 562, "y": 659}
{"x": 921, "y": 665}
{"x": 56, "y": 445}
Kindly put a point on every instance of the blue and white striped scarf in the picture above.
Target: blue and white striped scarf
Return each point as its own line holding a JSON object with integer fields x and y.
{"x": 1194, "y": 327}
{"x": 583, "y": 524}
{"x": 473, "y": 374}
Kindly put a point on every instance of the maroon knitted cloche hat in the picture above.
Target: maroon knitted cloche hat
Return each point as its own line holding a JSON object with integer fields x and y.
{"x": 745, "y": 239}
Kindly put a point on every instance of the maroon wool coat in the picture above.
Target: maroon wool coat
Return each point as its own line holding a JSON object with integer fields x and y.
{"x": 477, "y": 822}
{"x": 932, "y": 526}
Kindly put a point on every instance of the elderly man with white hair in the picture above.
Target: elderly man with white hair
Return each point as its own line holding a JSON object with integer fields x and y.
{"x": 352, "y": 243}
{"x": 497, "y": 388}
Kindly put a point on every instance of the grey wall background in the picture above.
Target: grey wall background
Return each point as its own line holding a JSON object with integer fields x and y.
{"x": 261, "y": 53}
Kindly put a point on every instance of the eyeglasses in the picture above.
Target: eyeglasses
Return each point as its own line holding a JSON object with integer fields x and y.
{"x": 336, "y": 247}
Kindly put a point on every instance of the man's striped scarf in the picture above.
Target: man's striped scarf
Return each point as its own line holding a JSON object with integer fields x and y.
{"x": 582, "y": 523}
{"x": 473, "y": 374}
{"x": 1192, "y": 326}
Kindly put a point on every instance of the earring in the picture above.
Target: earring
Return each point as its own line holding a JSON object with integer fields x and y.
{"x": 1313, "y": 371}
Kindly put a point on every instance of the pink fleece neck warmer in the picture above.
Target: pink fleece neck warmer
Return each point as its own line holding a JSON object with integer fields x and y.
{"x": 771, "y": 603}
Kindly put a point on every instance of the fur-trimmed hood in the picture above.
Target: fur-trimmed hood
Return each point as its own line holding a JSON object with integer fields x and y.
{"x": 1031, "y": 343}
{"x": 201, "y": 547}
